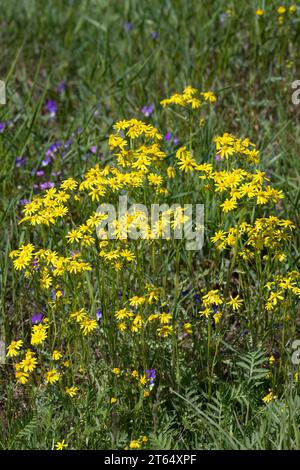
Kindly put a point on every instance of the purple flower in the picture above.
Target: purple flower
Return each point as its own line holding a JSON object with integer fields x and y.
{"x": 185, "y": 292}
{"x": 128, "y": 26}
{"x": 99, "y": 314}
{"x": 217, "y": 158}
{"x": 147, "y": 110}
{"x": 51, "y": 107}
{"x": 151, "y": 376}
{"x": 20, "y": 161}
{"x": 40, "y": 173}
{"x": 46, "y": 160}
{"x": 215, "y": 308}
{"x": 68, "y": 143}
{"x": 197, "y": 299}
{"x": 36, "y": 318}
{"x": 61, "y": 86}
{"x": 154, "y": 35}
{"x": 2, "y": 127}
{"x": 46, "y": 185}
{"x": 175, "y": 141}
{"x": 93, "y": 149}
{"x": 56, "y": 173}
{"x": 168, "y": 136}
{"x": 23, "y": 202}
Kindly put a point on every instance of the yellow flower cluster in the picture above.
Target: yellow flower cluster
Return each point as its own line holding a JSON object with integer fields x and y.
{"x": 227, "y": 145}
{"x": 52, "y": 206}
{"x": 190, "y": 97}
{"x": 265, "y": 236}
{"x": 87, "y": 324}
{"x": 279, "y": 288}
{"x": 213, "y": 301}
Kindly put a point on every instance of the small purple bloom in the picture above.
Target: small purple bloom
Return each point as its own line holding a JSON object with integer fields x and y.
{"x": 68, "y": 143}
{"x": 46, "y": 160}
{"x": 151, "y": 376}
{"x": 36, "y": 318}
{"x": 93, "y": 149}
{"x": 154, "y": 35}
{"x": 128, "y": 26}
{"x": 61, "y": 86}
{"x": 51, "y": 107}
{"x": 46, "y": 185}
{"x": 215, "y": 308}
{"x": 20, "y": 161}
{"x": 56, "y": 173}
{"x": 197, "y": 299}
{"x": 175, "y": 141}
{"x": 2, "y": 127}
{"x": 147, "y": 110}
{"x": 99, "y": 314}
{"x": 185, "y": 292}
{"x": 40, "y": 173}
{"x": 217, "y": 158}
{"x": 168, "y": 136}
{"x": 23, "y": 202}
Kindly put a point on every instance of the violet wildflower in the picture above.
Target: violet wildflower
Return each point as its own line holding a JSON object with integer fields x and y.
{"x": 217, "y": 158}
{"x": 168, "y": 136}
{"x": 185, "y": 292}
{"x": 2, "y": 127}
{"x": 197, "y": 299}
{"x": 176, "y": 140}
{"x": 128, "y": 26}
{"x": 93, "y": 149}
{"x": 20, "y": 161}
{"x": 154, "y": 35}
{"x": 46, "y": 185}
{"x": 61, "y": 86}
{"x": 36, "y": 318}
{"x": 51, "y": 107}
{"x": 99, "y": 314}
{"x": 23, "y": 202}
{"x": 151, "y": 376}
{"x": 147, "y": 110}
{"x": 40, "y": 173}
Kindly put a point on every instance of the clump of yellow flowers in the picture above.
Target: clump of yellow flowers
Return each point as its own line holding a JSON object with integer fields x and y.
{"x": 76, "y": 267}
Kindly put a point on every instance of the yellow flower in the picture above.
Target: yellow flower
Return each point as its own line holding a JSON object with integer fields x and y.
{"x": 143, "y": 380}
{"x": 56, "y": 355}
{"x": 71, "y": 391}
{"x": 271, "y": 360}
{"x": 13, "y": 348}
{"x": 52, "y": 376}
{"x": 171, "y": 172}
{"x": 260, "y": 12}
{"x": 61, "y": 445}
{"x": 116, "y": 371}
{"x": 165, "y": 318}
{"x": 292, "y": 9}
{"x": 228, "y": 205}
{"x": 29, "y": 363}
{"x": 209, "y": 96}
{"x": 22, "y": 377}
{"x": 235, "y": 302}
{"x": 113, "y": 400}
{"x": 217, "y": 317}
{"x": 281, "y": 10}
{"x": 38, "y": 334}
{"x": 188, "y": 328}
{"x": 135, "y": 444}
{"x": 88, "y": 325}
{"x": 269, "y": 397}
